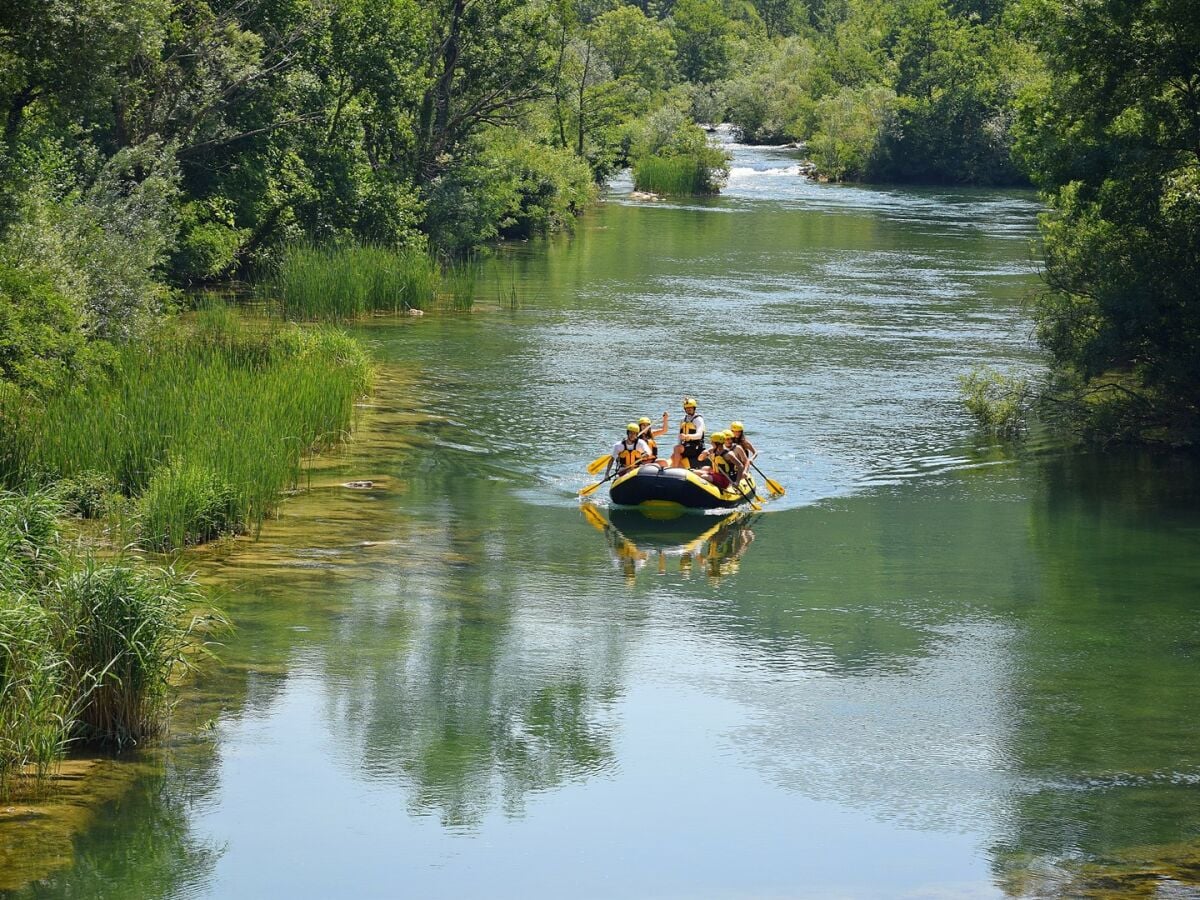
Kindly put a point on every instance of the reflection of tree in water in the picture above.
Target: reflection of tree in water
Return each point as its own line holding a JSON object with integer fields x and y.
{"x": 468, "y": 681}
{"x": 144, "y": 838}
{"x": 1108, "y": 738}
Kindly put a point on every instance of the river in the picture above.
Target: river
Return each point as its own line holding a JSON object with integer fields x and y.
{"x": 938, "y": 667}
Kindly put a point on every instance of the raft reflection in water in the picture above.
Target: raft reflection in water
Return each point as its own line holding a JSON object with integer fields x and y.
{"x": 682, "y": 543}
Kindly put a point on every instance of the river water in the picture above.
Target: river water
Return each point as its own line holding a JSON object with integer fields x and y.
{"x": 938, "y": 667}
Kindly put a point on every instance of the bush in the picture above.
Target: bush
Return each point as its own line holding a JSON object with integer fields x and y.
{"x": 673, "y": 152}
{"x": 998, "y": 402}
{"x": 101, "y": 245}
{"x": 42, "y": 341}
{"x": 849, "y": 128}
{"x": 87, "y": 495}
{"x": 507, "y": 186}
{"x": 208, "y": 243}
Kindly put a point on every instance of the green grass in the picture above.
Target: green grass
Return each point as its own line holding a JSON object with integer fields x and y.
{"x": 204, "y": 424}
{"x": 343, "y": 283}
{"x": 34, "y": 692}
{"x": 670, "y": 175}
{"x": 128, "y": 640}
{"x": 88, "y": 649}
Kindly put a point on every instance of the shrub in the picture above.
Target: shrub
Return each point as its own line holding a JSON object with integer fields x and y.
{"x": 669, "y": 150}
{"x": 998, "y": 402}
{"x": 86, "y": 494}
{"x": 208, "y": 242}
{"x": 42, "y": 340}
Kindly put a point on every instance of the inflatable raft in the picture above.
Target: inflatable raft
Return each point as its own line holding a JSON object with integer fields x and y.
{"x": 652, "y": 485}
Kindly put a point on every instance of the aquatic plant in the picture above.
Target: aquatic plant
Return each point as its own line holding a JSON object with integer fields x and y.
{"x": 210, "y": 419}
{"x": 34, "y": 701}
{"x": 463, "y": 279}
{"x": 126, "y": 640}
{"x": 668, "y": 175}
{"x": 999, "y": 403}
{"x": 343, "y": 283}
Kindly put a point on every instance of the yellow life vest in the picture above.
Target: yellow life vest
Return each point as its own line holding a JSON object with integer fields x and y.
{"x": 650, "y": 442}
{"x": 628, "y": 455}
{"x": 687, "y": 427}
{"x": 721, "y": 464}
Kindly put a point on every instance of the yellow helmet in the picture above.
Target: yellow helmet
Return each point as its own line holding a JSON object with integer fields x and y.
{"x": 689, "y": 401}
{"x": 736, "y": 426}
{"x": 632, "y": 427}
{"x": 719, "y": 437}
{"x": 644, "y": 420}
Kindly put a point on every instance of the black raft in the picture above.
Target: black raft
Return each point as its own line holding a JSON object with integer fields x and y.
{"x": 652, "y": 485}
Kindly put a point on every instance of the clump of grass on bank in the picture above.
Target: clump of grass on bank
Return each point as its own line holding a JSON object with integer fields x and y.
{"x": 88, "y": 649}
{"x": 127, "y": 640}
{"x": 203, "y": 424}
{"x": 678, "y": 175}
{"x": 343, "y": 283}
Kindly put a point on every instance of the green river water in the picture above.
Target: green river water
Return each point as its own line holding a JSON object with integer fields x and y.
{"x": 938, "y": 667}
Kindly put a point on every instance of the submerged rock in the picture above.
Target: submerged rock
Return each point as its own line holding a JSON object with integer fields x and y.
{"x": 414, "y": 312}
{"x": 359, "y": 485}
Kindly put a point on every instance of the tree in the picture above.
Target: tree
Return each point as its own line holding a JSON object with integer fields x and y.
{"x": 1113, "y": 137}
{"x": 702, "y": 32}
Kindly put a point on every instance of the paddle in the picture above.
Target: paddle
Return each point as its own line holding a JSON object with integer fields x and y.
{"x": 737, "y": 486}
{"x": 773, "y": 486}
{"x": 754, "y": 504}
{"x": 591, "y": 488}
{"x": 594, "y": 467}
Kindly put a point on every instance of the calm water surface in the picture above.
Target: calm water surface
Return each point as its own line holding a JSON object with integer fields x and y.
{"x": 936, "y": 668}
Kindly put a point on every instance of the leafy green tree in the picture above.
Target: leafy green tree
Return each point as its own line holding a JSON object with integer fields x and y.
{"x": 952, "y": 107}
{"x": 1113, "y": 137}
{"x": 702, "y": 34}
{"x": 635, "y": 47}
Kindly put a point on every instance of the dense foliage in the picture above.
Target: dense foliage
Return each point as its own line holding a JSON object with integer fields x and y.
{"x": 1115, "y": 141}
{"x": 170, "y": 142}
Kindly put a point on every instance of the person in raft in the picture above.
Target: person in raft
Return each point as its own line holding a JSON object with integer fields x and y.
{"x": 629, "y": 452}
{"x": 691, "y": 436}
{"x": 648, "y": 434}
{"x": 737, "y": 438}
{"x": 726, "y": 464}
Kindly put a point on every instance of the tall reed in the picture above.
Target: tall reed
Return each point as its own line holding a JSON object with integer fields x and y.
{"x": 206, "y": 422}
{"x": 127, "y": 640}
{"x": 88, "y": 649}
{"x": 670, "y": 175}
{"x": 34, "y": 695}
{"x": 343, "y": 283}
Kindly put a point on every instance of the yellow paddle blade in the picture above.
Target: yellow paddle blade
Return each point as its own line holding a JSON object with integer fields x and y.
{"x": 590, "y": 489}
{"x": 775, "y": 487}
{"x": 597, "y": 464}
